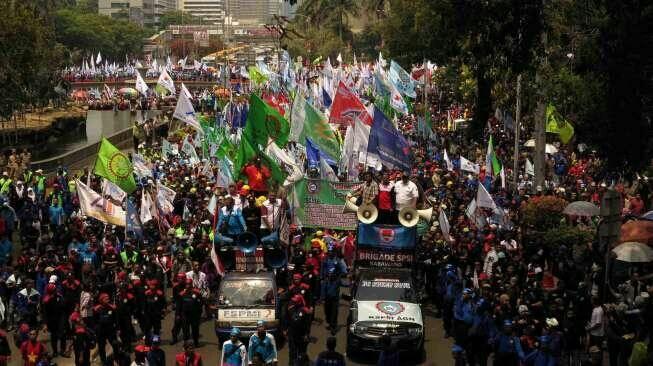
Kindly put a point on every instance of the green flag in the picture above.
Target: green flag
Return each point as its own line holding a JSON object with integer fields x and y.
{"x": 562, "y": 127}
{"x": 115, "y": 166}
{"x": 265, "y": 122}
{"x": 316, "y": 127}
{"x": 276, "y": 174}
{"x": 491, "y": 161}
{"x": 244, "y": 154}
{"x": 256, "y": 76}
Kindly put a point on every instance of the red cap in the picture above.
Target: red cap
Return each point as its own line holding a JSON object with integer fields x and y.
{"x": 297, "y": 276}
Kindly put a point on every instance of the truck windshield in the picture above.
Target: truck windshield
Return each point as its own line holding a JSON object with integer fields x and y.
{"x": 246, "y": 292}
{"x": 384, "y": 289}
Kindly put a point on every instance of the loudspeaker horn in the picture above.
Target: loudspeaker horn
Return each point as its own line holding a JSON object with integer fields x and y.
{"x": 247, "y": 242}
{"x": 408, "y": 217}
{"x": 367, "y": 213}
{"x": 426, "y": 214}
{"x": 275, "y": 257}
{"x": 350, "y": 205}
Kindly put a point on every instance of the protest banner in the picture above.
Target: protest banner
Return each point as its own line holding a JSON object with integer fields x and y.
{"x": 319, "y": 204}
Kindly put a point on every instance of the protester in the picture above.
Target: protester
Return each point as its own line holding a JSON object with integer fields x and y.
{"x": 330, "y": 357}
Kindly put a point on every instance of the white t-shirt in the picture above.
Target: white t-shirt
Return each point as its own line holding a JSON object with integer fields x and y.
{"x": 405, "y": 194}
{"x": 273, "y": 214}
{"x": 597, "y": 318}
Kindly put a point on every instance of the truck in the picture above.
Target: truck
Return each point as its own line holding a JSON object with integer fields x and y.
{"x": 243, "y": 299}
{"x": 384, "y": 302}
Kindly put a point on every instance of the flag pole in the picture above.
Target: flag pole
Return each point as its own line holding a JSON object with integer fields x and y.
{"x": 517, "y": 127}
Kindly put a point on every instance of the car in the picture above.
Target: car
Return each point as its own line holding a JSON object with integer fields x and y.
{"x": 244, "y": 299}
{"x": 384, "y": 302}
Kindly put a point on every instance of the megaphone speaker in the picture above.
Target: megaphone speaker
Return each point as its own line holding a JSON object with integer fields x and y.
{"x": 275, "y": 257}
{"x": 367, "y": 213}
{"x": 247, "y": 242}
{"x": 408, "y": 217}
{"x": 350, "y": 206}
{"x": 426, "y": 214}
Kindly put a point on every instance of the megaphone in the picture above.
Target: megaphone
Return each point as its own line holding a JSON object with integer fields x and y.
{"x": 247, "y": 242}
{"x": 275, "y": 257}
{"x": 350, "y": 205}
{"x": 408, "y": 217}
{"x": 426, "y": 214}
{"x": 271, "y": 239}
{"x": 367, "y": 213}
{"x": 227, "y": 257}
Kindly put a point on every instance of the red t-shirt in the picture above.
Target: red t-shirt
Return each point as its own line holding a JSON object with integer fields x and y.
{"x": 256, "y": 177}
{"x": 385, "y": 198}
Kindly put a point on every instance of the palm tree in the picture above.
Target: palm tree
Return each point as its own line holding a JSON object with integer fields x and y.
{"x": 341, "y": 9}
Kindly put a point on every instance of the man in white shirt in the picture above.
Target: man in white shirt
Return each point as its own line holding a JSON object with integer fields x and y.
{"x": 406, "y": 192}
{"x": 199, "y": 279}
{"x": 596, "y": 326}
{"x": 270, "y": 214}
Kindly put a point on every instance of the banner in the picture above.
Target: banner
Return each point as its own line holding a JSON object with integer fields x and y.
{"x": 319, "y": 204}
{"x": 468, "y": 166}
{"x": 386, "y": 236}
{"x": 111, "y": 190}
{"x": 133, "y": 221}
{"x": 376, "y": 258}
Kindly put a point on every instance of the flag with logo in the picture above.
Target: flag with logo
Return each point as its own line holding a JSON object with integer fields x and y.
{"x": 141, "y": 166}
{"x": 185, "y": 112}
{"x": 188, "y": 149}
{"x": 388, "y": 144}
{"x": 148, "y": 208}
{"x": 483, "y": 198}
{"x": 386, "y": 236}
{"x": 165, "y": 198}
{"x": 402, "y": 80}
{"x": 166, "y": 82}
{"x": 133, "y": 221}
{"x": 94, "y": 205}
{"x": 256, "y": 76}
{"x": 141, "y": 86}
{"x": 308, "y": 122}
{"x": 115, "y": 166}
{"x": 468, "y": 166}
{"x": 111, "y": 190}
{"x": 560, "y": 126}
{"x": 448, "y": 161}
{"x": 264, "y": 122}
{"x": 346, "y": 107}
{"x": 492, "y": 165}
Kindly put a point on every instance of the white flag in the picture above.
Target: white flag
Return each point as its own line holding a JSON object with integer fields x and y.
{"x": 99, "y": 58}
{"x": 339, "y": 58}
{"x": 94, "y": 205}
{"x": 361, "y": 135}
{"x": 141, "y": 86}
{"x": 396, "y": 100}
{"x": 185, "y": 112}
{"x": 468, "y": 166}
{"x": 165, "y": 198}
{"x": 444, "y": 225}
{"x": 166, "y": 81}
{"x": 109, "y": 91}
{"x": 326, "y": 172}
{"x": 212, "y": 206}
{"x": 502, "y": 174}
{"x": 483, "y": 198}
{"x": 448, "y": 161}
{"x": 530, "y": 169}
{"x": 148, "y": 210}
{"x": 112, "y": 190}
{"x": 207, "y": 171}
{"x": 471, "y": 210}
{"x": 188, "y": 149}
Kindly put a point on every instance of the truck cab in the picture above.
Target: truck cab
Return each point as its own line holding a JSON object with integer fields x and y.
{"x": 384, "y": 302}
{"x": 243, "y": 299}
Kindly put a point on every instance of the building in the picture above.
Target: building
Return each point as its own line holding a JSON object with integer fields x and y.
{"x": 256, "y": 12}
{"x": 142, "y": 12}
{"x": 210, "y": 11}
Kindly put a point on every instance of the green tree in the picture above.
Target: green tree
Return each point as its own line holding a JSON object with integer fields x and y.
{"x": 29, "y": 57}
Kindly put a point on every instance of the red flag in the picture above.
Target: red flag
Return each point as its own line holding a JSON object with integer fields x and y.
{"x": 219, "y": 267}
{"x": 274, "y": 102}
{"x": 346, "y": 107}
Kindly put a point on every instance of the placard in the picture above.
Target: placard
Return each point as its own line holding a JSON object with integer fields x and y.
{"x": 319, "y": 204}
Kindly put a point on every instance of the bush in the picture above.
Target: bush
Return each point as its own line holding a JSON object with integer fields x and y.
{"x": 542, "y": 213}
{"x": 566, "y": 235}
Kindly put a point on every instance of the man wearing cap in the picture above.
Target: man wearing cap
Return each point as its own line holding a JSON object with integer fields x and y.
{"x": 105, "y": 325}
{"x": 298, "y": 326}
{"x": 188, "y": 357}
{"x": 230, "y": 220}
{"x": 332, "y": 269}
{"x": 156, "y": 356}
{"x": 128, "y": 256}
{"x": 507, "y": 346}
{"x": 190, "y": 303}
{"x": 27, "y": 301}
{"x": 233, "y": 350}
{"x": 463, "y": 315}
{"x": 262, "y": 343}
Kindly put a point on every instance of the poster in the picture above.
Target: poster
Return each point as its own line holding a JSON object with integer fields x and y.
{"x": 378, "y": 258}
{"x": 319, "y": 204}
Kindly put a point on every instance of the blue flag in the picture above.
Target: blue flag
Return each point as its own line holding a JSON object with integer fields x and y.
{"x": 326, "y": 98}
{"x": 133, "y": 223}
{"x": 402, "y": 80}
{"x": 312, "y": 153}
{"x": 387, "y": 143}
{"x": 386, "y": 236}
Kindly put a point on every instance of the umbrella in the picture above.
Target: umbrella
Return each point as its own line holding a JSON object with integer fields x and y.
{"x": 549, "y": 149}
{"x": 582, "y": 208}
{"x": 633, "y": 252}
{"x": 640, "y": 231}
{"x": 130, "y": 91}
{"x": 647, "y": 216}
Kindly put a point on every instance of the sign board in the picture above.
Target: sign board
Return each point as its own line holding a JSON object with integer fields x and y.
{"x": 246, "y": 314}
{"x": 370, "y": 257}
{"x": 386, "y": 236}
{"x": 250, "y": 262}
{"x": 319, "y": 204}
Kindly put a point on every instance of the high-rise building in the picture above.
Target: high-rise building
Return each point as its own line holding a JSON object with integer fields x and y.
{"x": 210, "y": 12}
{"x": 142, "y": 12}
{"x": 256, "y": 12}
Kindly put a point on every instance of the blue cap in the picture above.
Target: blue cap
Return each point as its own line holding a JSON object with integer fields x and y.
{"x": 235, "y": 331}
{"x": 156, "y": 339}
{"x": 457, "y": 349}
{"x": 467, "y": 291}
{"x": 452, "y": 275}
{"x": 545, "y": 339}
{"x": 260, "y": 323}
{"x": 450, "y": 267}
{"x": 507, "y": 323}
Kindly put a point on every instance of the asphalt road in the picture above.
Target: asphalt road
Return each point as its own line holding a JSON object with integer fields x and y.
{"x": 438, "y": 349}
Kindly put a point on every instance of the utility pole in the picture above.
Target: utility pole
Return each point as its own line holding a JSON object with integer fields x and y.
{"x": 540, "y": 117}
{"x": 517, "y": 126}
{"x": 609, "y": 230}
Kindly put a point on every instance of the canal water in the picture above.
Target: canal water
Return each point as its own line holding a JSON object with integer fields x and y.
{"x": 98, "y": 124}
